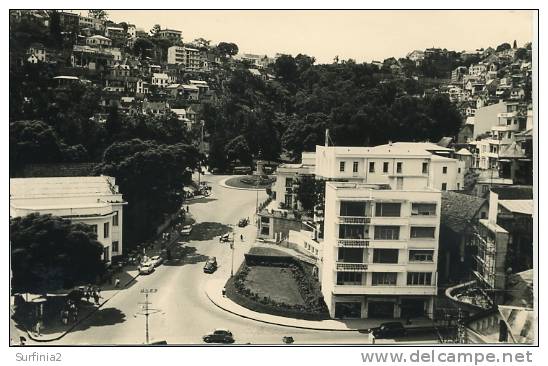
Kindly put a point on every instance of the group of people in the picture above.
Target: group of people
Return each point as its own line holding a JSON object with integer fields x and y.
{"x": 69, "y": 312}
{"x": 93, "y": 292}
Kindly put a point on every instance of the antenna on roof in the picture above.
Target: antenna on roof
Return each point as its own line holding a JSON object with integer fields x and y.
{"x": 328, "y": 138}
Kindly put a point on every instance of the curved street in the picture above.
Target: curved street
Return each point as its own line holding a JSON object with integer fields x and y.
{"x": 182, "y": 312}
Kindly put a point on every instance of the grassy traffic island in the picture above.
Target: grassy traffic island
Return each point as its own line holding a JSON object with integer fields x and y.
{"x": 273, "y": 282}
{"x": 250, "y": 181}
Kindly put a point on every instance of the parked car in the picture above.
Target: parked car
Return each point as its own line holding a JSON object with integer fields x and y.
{"x": 224, "y": 238}
{"x": 243, "y": 222}
{"x": 211, "y": 265}
{"x": 146, "y": 267}
{"x": 157, "y": 260}
{"x": 186, "y": 230}
{"x": 219, "y": 336}
{"x": 389, "y": 330}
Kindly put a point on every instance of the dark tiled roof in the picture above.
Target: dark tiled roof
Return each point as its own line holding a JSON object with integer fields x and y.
{"x": 457, "y": 209}
{"x": 514, "y": 192}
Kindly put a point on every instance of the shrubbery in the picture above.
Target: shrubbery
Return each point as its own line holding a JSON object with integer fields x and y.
{"x": 308, "y": 289}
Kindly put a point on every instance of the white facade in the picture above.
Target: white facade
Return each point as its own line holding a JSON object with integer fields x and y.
{"x": 380, "y": 251}
{"x": 401, "y": 165}
{"x": 160, "y": 79}
{"x": 98, "y": 41}
{"x": 189, "y": 57}
{"x": 94, "y": 201}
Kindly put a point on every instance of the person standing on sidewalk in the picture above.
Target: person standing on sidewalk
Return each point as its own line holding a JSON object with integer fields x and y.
{"x": 117, "y": 282}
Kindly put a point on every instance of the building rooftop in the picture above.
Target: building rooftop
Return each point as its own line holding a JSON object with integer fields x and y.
{"x": 525, "y": 207}
{"x": 416, "y": 146}
{"x": 464, "y": 151}
{"x": 97, "y": 36}
{"x": 458, "y": 209}
{"x": 514, "y": 192}
{"x": 62, "y": 186}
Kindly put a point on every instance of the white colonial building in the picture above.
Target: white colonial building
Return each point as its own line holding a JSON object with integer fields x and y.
{"x": 406, "y": 165}
{"x": 94, "y": 201}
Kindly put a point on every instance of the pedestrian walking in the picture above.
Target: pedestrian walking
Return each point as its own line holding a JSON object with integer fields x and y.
{"x": 117, "y": 282}
{"x": 371, "y": 337}
{"x": 96, "y": 298}
{"x": 241, "y": 237}
{"x": 65, "y": 317}
{"x": 187, "y": 209}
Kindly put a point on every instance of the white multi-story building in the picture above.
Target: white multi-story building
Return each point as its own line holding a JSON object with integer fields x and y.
{"x": 380, "y": 250}
{"x": 190, "y": 57}
{"x": 288, "y": 175}
{"x": 91, "y": 23}
{"x": 94, "y": 201}
{"x": 405, "y": 165}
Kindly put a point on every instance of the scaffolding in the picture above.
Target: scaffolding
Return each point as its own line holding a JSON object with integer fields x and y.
{"x": 485, "y": 259}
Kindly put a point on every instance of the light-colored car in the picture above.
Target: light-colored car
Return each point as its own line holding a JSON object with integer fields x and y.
{"x": 146, "y": 267}
{"x": 186, "y": 230}
{"x": 157, "y": 260}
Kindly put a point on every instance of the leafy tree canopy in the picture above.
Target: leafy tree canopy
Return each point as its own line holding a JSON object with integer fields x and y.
{"x": 50, "y": 253}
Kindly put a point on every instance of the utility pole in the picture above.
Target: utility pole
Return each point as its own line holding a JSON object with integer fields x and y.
{"x": 147, "y": 311}
{"x": 232, "y": 257}
{"x": 201, "y": 149}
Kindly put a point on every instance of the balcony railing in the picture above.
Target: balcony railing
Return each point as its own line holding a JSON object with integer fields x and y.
{"x": 353, "y": 243}
{"x": 354, "y": 220}
{"x": 351, "y": 267}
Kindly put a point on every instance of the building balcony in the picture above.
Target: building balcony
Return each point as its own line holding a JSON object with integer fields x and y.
{"x": 360, "y": 220}
{"x": 351, "y": 267}
{"x": 383, "y": 290}
{"x": 353, "y": 243}
{"x": 387, "y": 267}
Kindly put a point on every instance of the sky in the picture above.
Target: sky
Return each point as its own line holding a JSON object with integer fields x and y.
{"x": 363, "y": 35}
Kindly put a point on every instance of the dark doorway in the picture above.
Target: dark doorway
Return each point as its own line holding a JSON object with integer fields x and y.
{"x": 381, "y": 309}
{"x": 345, "y": 310}
{"x": 412, "y": 308}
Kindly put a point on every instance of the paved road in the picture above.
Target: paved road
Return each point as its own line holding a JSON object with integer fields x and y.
{"x": 184, "y": 312}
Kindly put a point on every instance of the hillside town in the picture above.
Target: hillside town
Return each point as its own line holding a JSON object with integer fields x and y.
{"x": 393, "y": 198}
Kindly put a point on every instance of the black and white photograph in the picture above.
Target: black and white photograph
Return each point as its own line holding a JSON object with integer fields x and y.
{"x": 265, "y": 177}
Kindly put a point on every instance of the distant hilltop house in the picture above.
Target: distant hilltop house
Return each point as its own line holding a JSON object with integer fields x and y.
{"x": 171, "y": 34}
{"x": 98, "y": 41}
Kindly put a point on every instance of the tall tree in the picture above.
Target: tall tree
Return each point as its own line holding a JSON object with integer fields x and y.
{"x": 152, "y": 177}
{"x": 98, "y": 14}
{"x": 227, "y": 49}
{"x": 155, "y": 29}
{"x": 32, "y": 142}
{"x": 50, "y": 253}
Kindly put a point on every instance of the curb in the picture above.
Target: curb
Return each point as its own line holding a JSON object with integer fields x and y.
{"x": 81, "y": 320}
{"x": 223, "y": 184}
{"x": 274, "y": 323}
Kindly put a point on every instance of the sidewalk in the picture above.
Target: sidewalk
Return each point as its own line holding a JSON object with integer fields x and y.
{"x": 213, "y": 291}
{"x": 57, "y": 330}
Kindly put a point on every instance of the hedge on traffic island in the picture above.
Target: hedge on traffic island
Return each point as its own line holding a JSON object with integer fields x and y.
{"x": 314, "y": 308}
